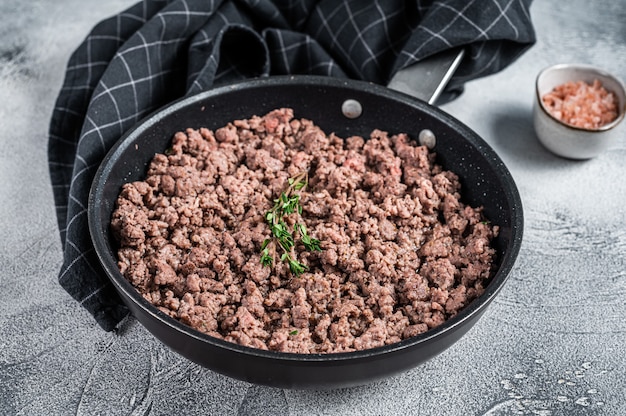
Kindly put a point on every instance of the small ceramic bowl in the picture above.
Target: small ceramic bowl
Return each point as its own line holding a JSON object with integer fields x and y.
{"x": 564, "y": 139}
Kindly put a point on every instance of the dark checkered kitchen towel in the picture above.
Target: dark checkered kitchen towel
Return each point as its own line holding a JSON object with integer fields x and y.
{"x": 161, "y": 50}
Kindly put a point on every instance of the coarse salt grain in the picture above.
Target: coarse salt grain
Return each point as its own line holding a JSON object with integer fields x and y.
{"x": 581, "y": 104}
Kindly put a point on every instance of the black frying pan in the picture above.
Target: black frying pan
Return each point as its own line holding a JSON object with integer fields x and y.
{"x": 485, "y": 181}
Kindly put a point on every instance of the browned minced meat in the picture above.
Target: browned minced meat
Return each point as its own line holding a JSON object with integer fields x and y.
{"x": 400, "y": 252}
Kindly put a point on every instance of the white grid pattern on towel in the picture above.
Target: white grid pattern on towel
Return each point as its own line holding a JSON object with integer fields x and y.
{"x": 160, "y": 50}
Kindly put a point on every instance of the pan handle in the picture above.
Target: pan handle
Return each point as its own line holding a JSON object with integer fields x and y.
{"x": 428, "y": 78}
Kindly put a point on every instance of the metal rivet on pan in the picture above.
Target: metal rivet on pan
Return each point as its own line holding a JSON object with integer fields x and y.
{"x": 427, "y": 138}
{"x": 351, "y": 108}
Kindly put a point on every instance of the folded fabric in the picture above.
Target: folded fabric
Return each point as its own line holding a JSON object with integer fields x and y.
{"x": 161, "y": 50}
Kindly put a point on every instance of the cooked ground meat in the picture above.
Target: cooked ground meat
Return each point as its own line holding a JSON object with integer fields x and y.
{"x": 401, "y": 253}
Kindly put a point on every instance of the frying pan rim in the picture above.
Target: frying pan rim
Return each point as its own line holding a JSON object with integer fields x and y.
{"x": 477, "y": 306}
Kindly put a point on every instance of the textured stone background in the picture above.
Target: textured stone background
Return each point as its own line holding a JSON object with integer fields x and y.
{"x": 552, "y": 343}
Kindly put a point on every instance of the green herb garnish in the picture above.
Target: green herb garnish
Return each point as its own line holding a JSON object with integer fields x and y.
{"x": 287, "y": 203}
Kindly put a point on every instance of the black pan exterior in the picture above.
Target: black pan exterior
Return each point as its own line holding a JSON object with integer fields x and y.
{"x": 485, "y": 181}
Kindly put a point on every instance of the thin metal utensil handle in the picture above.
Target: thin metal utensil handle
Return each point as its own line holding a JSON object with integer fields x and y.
{"x": 428, "y": 78}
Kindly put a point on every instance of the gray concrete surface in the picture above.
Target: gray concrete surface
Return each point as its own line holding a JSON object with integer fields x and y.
{"x": 552, "y": 343}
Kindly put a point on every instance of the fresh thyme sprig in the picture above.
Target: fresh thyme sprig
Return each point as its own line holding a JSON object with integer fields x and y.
{"x": 286, "y": 204}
